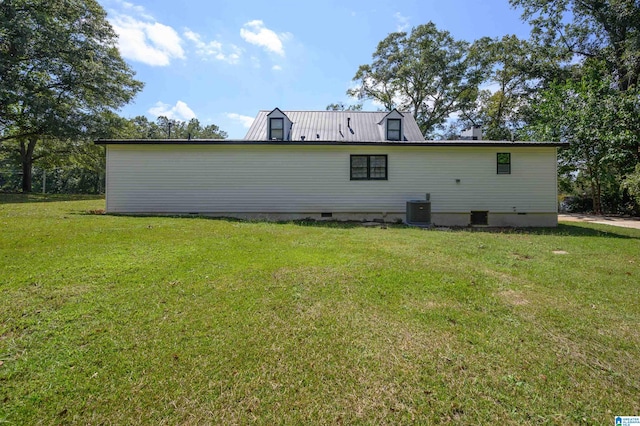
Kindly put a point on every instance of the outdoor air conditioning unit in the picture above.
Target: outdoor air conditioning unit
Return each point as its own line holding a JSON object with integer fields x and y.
{"x": 419, "y": 212}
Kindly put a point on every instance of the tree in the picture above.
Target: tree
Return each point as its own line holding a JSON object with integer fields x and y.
{"x": 342, "y": 107}
{"x": 426, "y": 72}
{"x": 176, "y": 129}
{"x": 632, "y": 183}
{"x": 601, "y": 39}
{"x": 595, "y": 119}
{"x": 517, "y": 69}
{"x": 59, "y": 70}
{"x": 604, "y": 30}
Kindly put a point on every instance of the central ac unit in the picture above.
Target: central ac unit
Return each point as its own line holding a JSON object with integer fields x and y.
{"x": 419, "y": 212}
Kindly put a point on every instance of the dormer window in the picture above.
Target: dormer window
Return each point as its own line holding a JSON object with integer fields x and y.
{"x": 394, "y": 129}
{"x": 276, "y": 129}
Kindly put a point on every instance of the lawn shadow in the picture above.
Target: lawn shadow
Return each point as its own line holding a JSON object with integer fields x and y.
{"x": 21, "y": 198}
{"x": 576, "y": 229}
{"x": 297, "y": 222}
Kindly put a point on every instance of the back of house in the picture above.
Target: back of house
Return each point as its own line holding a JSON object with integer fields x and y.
{"x": 340, "y": 165}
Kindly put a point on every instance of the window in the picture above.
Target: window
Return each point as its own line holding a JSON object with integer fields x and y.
{"x": 394, "y": 129}
{"x": 368, "y": 167}
{"x": 504, "y": 163}
{"x": 276, "y": 129}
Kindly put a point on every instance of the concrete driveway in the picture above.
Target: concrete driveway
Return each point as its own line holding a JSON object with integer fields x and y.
{"x": 623, "y": 222}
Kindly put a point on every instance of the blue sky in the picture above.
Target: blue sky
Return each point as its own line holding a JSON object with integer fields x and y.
{"x": 222, "y": 61}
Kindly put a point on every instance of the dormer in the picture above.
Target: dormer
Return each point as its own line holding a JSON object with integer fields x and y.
{"x": 278, "y": 126}
{"x": 393, "y": 126}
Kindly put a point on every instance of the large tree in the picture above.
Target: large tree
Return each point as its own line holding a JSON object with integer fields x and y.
{"x": 606, "y": 30}
{"x": 517, "y": 70}
{"x": 594, "y": 118}
{"x": 59, "y": 70}
{"x": 600, "y": 39}
{"x": 426, "y": 72}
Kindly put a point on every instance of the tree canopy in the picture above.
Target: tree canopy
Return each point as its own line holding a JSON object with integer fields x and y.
{"x": 60, "y": 69}
{"x": 595, "y": 106}
{"x": 425, "y": 71}
{"x": 606, "y": 30}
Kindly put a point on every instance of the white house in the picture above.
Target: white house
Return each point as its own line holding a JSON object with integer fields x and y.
{"x": 336, "y": 165}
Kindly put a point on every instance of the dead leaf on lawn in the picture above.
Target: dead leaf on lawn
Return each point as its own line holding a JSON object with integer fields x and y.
{"x": 560, "y": 252}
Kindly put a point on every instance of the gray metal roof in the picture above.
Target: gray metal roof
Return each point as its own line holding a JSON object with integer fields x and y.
{"x": 332, "y": 126}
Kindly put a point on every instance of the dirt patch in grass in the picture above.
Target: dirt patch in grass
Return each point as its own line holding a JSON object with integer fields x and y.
{"x": 513, "y": 297}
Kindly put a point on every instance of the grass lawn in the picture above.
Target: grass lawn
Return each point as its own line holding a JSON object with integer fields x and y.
{"x": 160, "y": 320}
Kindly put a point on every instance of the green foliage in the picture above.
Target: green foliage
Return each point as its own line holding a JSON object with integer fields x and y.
{"x": 60, "y": 70}
{"x": 164, "y": 128}
{"x": 517, "y": 69}
{"x": 608, "y": 31}
{"x": 232, "y": 322}
{"x": 342, "y": 107}
{"x": 78, "y": 165}
{"x": 176, "y": 129}
{"x": 595, "y": 119}
{"x": 632, "y": 183}
{"x": 597, "y": 106}
{"x": 426, "y": 72}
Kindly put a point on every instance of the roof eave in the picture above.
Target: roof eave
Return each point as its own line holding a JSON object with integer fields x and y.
{"x": 105, "y": 142}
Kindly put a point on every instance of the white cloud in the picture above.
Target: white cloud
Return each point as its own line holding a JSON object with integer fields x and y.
{"x": 255, "y": 32}
{"x": 137, "y": 9}
{"x": 145, "y": 40}
{"x": 245, "y": 120}
{"x": 401, "y": 21}
{"x": 213, "y": 48}
{"x": 180, "y": 111}
{"x": 276, "y": 68}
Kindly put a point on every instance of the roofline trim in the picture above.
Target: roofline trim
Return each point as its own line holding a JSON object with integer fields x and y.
{"x": 464, "y": 143}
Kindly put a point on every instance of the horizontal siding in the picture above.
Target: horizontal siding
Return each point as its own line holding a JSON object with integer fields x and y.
{"x": 308, "y": 179}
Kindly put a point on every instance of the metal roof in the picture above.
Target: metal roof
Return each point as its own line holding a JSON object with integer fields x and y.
{"x": 333, "y": 126}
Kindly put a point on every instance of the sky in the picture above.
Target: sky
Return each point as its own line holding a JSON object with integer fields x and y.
{"x": 222, "y": 61}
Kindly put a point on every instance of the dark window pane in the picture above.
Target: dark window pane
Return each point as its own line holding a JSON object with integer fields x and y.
{"x": 359, "y": 161}
{"x": 393, "y": 124}
{"x": 276, "y": 128}
{"x": 368, "y": 167}
{"x": 359, "y": 167}
{"x": 276, "y": 134}
{"x": 393, "y": 129}
{"x": 504, "y": 169}
{"x": 378, "y": 164}
{"x": 504, "y": 163}
{"x": 359, "y": 173}
{"x": 277, "y": 123}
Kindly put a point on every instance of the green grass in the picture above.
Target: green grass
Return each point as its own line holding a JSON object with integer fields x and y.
{"x": 161, "y": 320}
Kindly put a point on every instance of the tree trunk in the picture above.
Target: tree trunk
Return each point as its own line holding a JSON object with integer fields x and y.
{"x": 26, "y": 157}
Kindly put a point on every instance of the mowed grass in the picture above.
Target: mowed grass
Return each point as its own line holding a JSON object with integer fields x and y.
{"x": 161, "y": 320}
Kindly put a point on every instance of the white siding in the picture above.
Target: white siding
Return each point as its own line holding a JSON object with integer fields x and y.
{"x": 312, "y": 179}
